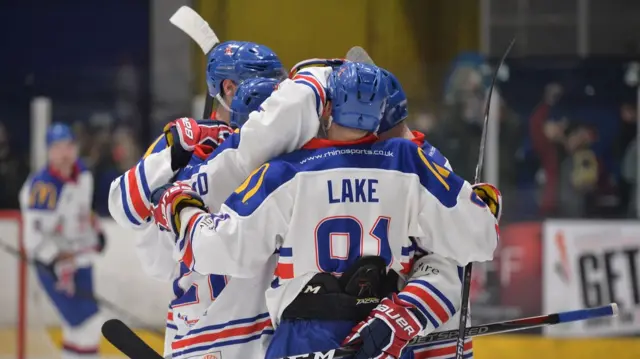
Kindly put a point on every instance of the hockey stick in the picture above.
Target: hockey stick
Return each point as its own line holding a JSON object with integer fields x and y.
{"x": 189, "y": 21}
{"x": 127, "y": 341}
{"x": 89, "y": 296}
{"x": 466, "y": 282}
{"x": 610, "y": 310}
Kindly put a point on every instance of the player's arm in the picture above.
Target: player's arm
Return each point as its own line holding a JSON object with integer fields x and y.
{"x": 288, "y": 119}
{"x": 155, "y": 252}
{"x": 39, "y": 206}
{"x": 434, "y": 288}
{"x": 128, "y": 196}
{"x": 449, "y": 217}
{"x": 240, "y": 238}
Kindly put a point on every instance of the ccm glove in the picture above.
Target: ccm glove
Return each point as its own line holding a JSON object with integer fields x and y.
{"x": 167, "y": 202}
{"x": 491, "y": 196}
{"x": 387, "y": 330}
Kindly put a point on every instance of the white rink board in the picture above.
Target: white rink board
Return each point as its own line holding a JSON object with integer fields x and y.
{"x": 590, "y": 264}
{"x": 118, "y": 278}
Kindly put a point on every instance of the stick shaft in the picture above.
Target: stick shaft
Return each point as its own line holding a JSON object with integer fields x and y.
{"x": 494, "y": 328}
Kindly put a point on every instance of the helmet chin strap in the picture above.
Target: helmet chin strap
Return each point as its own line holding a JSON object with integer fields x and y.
{"x": 324, "y": 127}
{"x": 222, "y": 103}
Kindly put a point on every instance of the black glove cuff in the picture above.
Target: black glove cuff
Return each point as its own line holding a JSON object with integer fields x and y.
{"x": 179, "y": 157}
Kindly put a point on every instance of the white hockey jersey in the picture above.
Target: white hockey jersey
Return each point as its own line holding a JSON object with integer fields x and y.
{"x": 57, "y": 215}
{"x": 325, "y": 206}
{"x": 288, "y": 119}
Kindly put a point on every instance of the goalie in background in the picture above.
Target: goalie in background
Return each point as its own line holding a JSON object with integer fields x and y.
{"x": 64, "y": 238}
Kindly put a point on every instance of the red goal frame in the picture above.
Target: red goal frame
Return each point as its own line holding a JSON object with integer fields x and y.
{"x": 22, "y": 284}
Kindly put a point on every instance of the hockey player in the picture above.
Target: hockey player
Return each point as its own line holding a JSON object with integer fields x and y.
{"x": 232, "y": 62}
{"x": 184, "y": 145}
{"x": 448, "y": 285}
{"x": 340, "y": 212}
{"x": 64, "y": 239}
{"x": 277, "y": 128}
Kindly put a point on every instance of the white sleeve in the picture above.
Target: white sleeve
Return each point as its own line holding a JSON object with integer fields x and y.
{"x": 129, "y": 194}
{"x": 287, "y": 121}
{"x": 155, "y": 252}
{"x": 232, "y": 243}
{"x": 450, "y": 219}
{"x": 434, "y": 288}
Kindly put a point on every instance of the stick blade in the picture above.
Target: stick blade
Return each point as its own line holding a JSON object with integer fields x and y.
{"x": 189, "y": 21}
{"x": 358, "y": 54}
{"x": 128, "y": 342}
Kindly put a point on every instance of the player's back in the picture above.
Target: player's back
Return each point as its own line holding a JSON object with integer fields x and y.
{"x": 349, "y": 201}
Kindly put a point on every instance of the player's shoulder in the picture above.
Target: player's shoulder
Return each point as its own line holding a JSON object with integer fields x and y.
{"x": 43, "y": 190}
{"x": 159, "y": 144}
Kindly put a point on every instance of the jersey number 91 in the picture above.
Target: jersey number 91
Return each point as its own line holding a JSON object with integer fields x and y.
{"x": 341, "y": 240}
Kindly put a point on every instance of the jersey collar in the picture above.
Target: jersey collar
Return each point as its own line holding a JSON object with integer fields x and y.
{"x": 317, "y": 143}
{"x": 418, "y": 138}
{"x": 72, "y": 178}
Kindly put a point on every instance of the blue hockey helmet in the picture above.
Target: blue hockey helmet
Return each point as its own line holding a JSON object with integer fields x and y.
{"x": 250, "y": 95}
{"x": 358, "y": 94}
{"x": 240, "y": 60}
{"x": 59, "y": 132}
{"x": 397, "y": 110}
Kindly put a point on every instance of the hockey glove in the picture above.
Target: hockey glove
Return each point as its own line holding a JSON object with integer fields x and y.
{"x": 182, "y": 136}
{"x": 167, "y": 202}
{"x": 491, "y": 196}
{"x": 387, "y": 330}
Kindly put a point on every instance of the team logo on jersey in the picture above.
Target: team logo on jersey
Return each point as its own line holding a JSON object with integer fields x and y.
{"x": 188, "y": 322}
{"x": 214, "y": 355}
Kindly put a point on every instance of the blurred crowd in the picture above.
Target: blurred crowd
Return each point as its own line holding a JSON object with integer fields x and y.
{"x": 567, "y": 142}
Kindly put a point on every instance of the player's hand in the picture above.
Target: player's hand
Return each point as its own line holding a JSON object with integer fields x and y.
{"x": 182, "y": 136}
{"x": 387, "y": 330}
{"x": 491, "y": 196}
{"x": 185, "y": 134}
{"x": 316, "y": 78}
{"x": 167, "y": 202}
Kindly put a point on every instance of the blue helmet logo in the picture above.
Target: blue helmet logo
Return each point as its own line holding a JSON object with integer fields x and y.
{"x": 241, "y": 60}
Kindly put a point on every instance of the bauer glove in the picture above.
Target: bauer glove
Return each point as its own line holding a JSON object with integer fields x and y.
{"x": 387, "y": 330}
{"x": 185, "y": 134}
{"x": 167, "y": 202}
{"x": 491, "y": 196}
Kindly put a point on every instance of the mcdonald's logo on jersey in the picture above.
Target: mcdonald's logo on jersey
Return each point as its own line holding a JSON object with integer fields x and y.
{"x": 43, "y": 196}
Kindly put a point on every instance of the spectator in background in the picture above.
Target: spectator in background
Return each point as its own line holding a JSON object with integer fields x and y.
{"x": 630, "y": 176}
{"x": 457, "y": 133}
{"x": 625, "y": 153}
{"x": 546, "y": 137}
{"x": 580, "y": 173}
{"x": 13, "y": 172}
